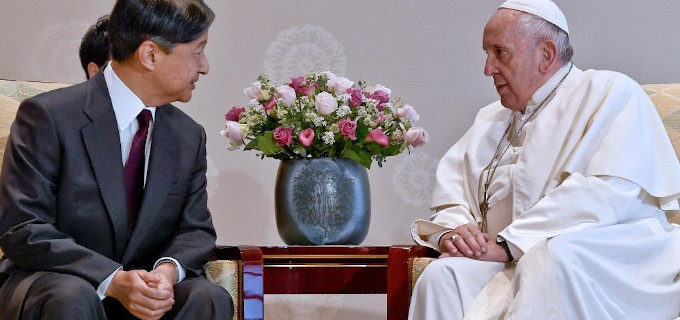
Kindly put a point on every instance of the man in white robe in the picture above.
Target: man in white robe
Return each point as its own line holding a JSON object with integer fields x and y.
{"x": 576, "y": 171}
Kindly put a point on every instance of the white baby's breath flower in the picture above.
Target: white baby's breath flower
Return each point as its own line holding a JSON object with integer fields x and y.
{"x": 343, "y": 111}
{"x": 398, "y": 135}
{"x": 375, "y": 118}
{"x": 371, "y": 103}
{"x": 328, "y": 137}
{"x": 318, "y": 120}
{"x": 343, "y": 98}
{"x": 253, "y": 103}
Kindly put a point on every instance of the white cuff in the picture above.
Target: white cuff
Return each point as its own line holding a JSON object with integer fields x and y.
{"x": 181, "y": 274}
{"x": 101, "y": 290}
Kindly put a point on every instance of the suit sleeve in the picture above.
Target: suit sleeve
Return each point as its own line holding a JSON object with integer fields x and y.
{"x": 28, "y": 202}
{"x": 194, "y": 238}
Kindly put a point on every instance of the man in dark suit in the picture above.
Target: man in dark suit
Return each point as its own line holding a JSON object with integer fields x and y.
{"x": 84, "y": 235}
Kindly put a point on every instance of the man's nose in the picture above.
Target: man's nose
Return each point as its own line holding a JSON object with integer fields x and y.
{"x": 205, "y": 66}
{"x": 490, "y": 66}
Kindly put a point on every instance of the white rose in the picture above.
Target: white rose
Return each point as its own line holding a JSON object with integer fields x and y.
{"x": 408, "y": 112}
{"x": 417, "y": 137}
{"x": 340, "y": 85}
{"x": 255, "y": 91}
{"x": 234, "y": 132}
{"x": 330, "y": 75}
{"x": 286, "y": 94}
{"x": 379, "y": 87}
{"x": 325, "y": 103}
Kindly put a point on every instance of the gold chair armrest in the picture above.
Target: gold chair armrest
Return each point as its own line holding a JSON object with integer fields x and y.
{"x": 238, "y": 269}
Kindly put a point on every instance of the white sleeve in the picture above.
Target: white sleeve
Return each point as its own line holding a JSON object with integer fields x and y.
{"x": 427, "y": 232}
{"x": 576, "y": 204}
{"x": 101, "y": 290}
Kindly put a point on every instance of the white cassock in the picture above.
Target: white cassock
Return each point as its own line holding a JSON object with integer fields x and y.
{"x": 581, "y": 198}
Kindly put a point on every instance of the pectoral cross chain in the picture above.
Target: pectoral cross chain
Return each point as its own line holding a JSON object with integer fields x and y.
{"x": 484, "y": 209}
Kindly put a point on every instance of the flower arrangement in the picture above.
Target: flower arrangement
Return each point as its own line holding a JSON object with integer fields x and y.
{"x": 323, "y": 115}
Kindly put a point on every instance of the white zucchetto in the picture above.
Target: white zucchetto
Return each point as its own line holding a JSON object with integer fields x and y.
{"x": 545, "y": 9}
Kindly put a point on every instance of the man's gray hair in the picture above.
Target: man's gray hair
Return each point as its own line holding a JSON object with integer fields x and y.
{"x": 540, "y": 30}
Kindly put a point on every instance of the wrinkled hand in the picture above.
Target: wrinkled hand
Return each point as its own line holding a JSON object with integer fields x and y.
{"x": 464, "y": 241}
{"x": 494, "y": 253}
{"x": 140, "y": 293}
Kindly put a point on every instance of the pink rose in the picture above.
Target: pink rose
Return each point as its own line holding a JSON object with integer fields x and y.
{"x": 379, "y": 93}
{"x": 286, "y": 93}
{"x": 297, "y": 85}
{"x": 255, "y": 92}
{"x": 325, "y": 103}
{"x": 235, "y": 113}
{"x": 348, "y": 128}
{"x": 283, "y": 136}
{"x": 306, "y": 137}
{"x": 381, "y": 96}
{"x": 379, "y": 137}
{"x": 356, "y": 97}
{"x": 417, "y": 137}
{"x": 340, "y": 85}
{"x": 407, "y": 112}
{"x": 271, "y": 104}
{"x": 234, "y": 132}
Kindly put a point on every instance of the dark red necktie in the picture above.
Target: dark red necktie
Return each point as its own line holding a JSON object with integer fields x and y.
{"x": 134, "y": 168}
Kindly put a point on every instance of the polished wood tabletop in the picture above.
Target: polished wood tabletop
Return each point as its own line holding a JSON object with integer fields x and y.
{"x": 325, "y": 269}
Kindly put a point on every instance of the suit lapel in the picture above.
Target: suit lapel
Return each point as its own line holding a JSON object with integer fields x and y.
{"x": 160, "y": 175}
{"x": 102, "y": 141}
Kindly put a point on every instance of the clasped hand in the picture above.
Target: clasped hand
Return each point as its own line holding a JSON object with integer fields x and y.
{"x": 468, "y": 241}
{"x": 147, "y": 295}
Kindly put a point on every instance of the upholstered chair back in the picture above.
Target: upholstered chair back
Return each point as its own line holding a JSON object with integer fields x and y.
{"x": 11, "y": 94}
{"x": 666, "y": 98}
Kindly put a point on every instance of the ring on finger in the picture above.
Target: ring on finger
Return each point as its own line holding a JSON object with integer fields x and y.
{"x": 453, "y": 238}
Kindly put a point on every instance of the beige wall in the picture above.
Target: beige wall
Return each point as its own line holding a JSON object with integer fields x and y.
{"x": 428, "y": 52}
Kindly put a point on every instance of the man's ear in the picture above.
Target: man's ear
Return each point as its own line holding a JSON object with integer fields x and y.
{"x": 548, "y": 53}
{"x": 92, "y": 69}
{"x": 147, "y": 53}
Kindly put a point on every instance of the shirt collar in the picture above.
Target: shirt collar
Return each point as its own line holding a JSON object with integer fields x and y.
{"x": 543, "y": 91}
{"x": 126, "y": 105}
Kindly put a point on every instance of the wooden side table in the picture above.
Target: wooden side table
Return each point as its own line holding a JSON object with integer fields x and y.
{"x": 342, "y": 270}
{"x": 326, "y": 270}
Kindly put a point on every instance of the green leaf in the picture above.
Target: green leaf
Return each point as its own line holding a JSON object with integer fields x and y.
{"x": 392, "y": 150}
{"x": 267, "y": 145}
{"x": 361, "y": 131}
{"x": 360, "y": 156}
{"x": 252, "y": 145}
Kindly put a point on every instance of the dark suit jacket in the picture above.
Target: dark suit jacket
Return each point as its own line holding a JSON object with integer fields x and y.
{"x": 62, "y": 193}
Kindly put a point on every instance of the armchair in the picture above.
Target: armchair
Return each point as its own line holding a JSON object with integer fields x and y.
{"x": 238, "y": 269}
{"x": 666, "y": 98}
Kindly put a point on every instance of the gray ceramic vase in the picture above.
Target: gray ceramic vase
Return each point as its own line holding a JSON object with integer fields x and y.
{"x": 322, "y": 201}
